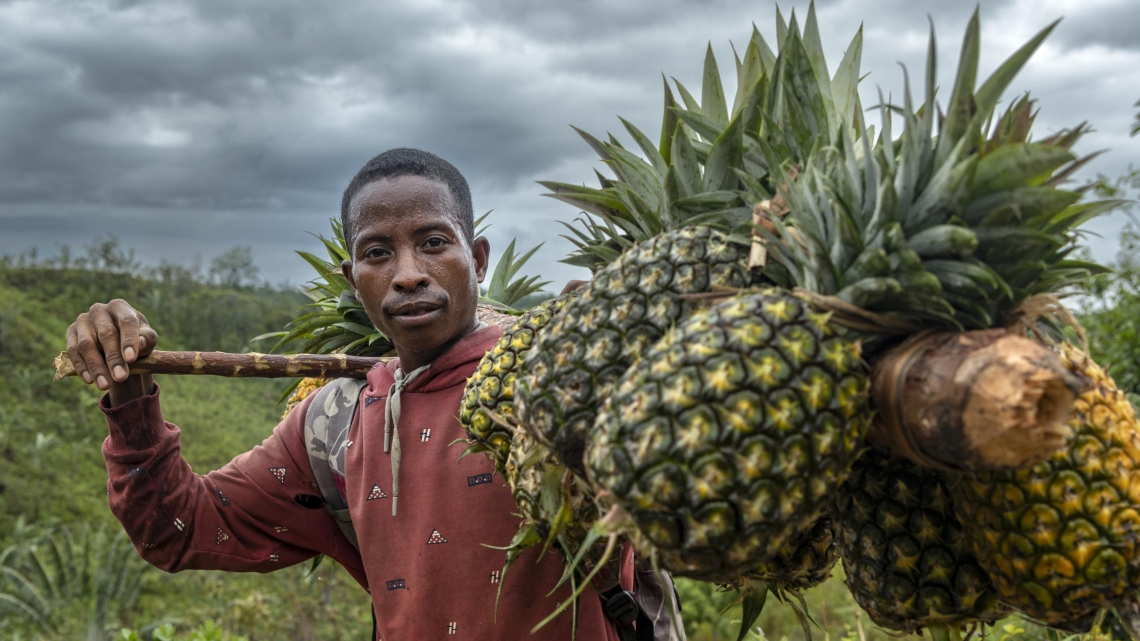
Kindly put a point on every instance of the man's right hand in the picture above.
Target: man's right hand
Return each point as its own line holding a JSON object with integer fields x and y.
{"x": 103, "y": 341}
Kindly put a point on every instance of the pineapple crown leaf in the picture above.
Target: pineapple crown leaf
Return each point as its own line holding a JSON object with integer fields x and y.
{"x": 504, "y": 289}
{"x": 478, "y": 225}
{"x": 712, "y": 91}
{"x": 668, "y": 122}
{"x": 951, "y": 223}
{"x": 782, "y": 27}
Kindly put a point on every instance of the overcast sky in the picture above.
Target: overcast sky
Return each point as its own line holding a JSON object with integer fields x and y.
{"x": 186, "y": 128}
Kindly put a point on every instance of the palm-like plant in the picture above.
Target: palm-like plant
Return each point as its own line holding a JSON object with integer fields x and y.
{"x": 63, "y": 575}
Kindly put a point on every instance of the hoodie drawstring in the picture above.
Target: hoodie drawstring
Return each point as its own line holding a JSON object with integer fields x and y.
{"x": 392, "y": 424}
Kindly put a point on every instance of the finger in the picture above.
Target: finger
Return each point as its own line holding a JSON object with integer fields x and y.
{"x": 148, "y": 340}
{"x": 73, "y": 354}
{"x": 108, "y": 332}
{"x": 89, "y": 353}
{"x": 128, "y": 324}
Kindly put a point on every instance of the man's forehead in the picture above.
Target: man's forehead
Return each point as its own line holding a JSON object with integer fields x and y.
{"x": 403, "y": 190}
{"x": 393, "y": 201}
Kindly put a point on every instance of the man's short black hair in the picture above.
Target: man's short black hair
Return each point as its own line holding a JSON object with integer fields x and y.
{"x": 405, "y": 161}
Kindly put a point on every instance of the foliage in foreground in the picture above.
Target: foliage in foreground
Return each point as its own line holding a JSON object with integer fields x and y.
{"x": 63, "y": 575}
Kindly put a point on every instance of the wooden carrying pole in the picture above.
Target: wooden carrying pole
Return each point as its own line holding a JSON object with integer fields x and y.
{"x": 252, "y": 365}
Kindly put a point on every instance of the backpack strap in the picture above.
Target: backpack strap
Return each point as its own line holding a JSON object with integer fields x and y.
{"x": 327, "y": 422}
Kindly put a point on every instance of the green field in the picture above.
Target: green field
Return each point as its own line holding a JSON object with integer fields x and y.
{"x": 52, "y": 477}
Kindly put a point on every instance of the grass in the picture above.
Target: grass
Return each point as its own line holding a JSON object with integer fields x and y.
{"x": 52, "y": 475}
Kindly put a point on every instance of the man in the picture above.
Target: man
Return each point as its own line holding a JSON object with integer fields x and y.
{"x": 421, "y": 518}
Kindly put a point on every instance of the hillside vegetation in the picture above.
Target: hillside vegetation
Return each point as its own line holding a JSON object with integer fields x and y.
{"x": 83, "y": 581}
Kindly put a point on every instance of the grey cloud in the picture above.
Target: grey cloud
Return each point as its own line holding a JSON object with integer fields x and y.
{"x": 191, "y": 126}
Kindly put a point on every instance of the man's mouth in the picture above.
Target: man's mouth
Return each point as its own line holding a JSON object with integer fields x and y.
{"x": 416, "y": 312}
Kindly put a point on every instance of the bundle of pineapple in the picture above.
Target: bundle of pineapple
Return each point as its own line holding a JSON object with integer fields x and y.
{"x": 710, "y": 388}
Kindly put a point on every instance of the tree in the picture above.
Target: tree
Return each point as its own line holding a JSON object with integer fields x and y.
{"x": 106, "y": 254}
{"x": 1112, "y": 310}
{"x": 234, "y": 268}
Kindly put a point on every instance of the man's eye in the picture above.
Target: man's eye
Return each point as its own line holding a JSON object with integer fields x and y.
{"x": 436, "y": 242}
{"x": 375, "y": 252}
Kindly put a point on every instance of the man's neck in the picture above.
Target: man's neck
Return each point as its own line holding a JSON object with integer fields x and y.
{"x": 411, "y": 360}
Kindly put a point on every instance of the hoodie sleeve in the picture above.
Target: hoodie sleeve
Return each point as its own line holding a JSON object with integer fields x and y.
{"x": 259, "y": 513}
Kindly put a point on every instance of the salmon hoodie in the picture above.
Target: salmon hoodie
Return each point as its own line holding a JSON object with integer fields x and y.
{"x": 425, "y": 561}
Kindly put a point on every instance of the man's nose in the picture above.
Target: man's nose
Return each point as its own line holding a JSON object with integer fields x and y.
{"x": 410, "y": 275}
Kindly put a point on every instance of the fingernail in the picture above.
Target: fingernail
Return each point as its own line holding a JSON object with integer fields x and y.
{"x": 86, "y": 377}
{"x": 101, "y": 382}
{"x": 129, "y": 353}
{"x": 119, "y": 372}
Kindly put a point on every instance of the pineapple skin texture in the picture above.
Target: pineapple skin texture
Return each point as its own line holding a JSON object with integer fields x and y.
{"x": 804, "y": 561}
{"x": 907, "y": 561}
{"x": 1061, "y": 540}
{"x": 541, "y": 488}
{"x": 304, "y": 389}
{"x": 493, "y": 383}
{"x": 727, "y": 437}
{"x": 626, "y": 308}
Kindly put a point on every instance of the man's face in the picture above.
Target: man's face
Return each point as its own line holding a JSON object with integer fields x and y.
{"x": 412, "y": 266}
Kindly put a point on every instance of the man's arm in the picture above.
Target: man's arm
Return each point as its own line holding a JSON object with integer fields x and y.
{"x": 258, "y": 513}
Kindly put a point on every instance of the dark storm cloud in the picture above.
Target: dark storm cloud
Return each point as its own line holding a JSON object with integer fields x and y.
{"x": 188, "y": 127}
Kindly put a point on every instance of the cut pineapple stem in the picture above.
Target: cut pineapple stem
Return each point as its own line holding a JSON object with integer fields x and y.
{"x": 977, "y": 400}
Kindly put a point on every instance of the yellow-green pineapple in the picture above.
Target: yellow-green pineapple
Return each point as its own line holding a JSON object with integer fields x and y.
{"x": 547, "y": 494}
{"x": 726, "y": 439}
{"x": 492, "y": 385}
{"x": 951, "y": 224}
{"x": 803, "y": 562}
{"x": 906, "y": 560}
{"x": 1061, "y": 540}
{"x": 627, "y": 307}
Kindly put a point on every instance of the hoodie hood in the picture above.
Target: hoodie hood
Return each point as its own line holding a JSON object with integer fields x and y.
{"x": 453, "y": 367}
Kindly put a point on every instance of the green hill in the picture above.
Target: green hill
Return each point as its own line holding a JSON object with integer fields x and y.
{"x": 52, "y": 476}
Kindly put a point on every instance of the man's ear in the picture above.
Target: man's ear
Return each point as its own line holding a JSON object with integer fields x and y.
{"x": 481, "y": 251}
{"x": 346, "y": 269}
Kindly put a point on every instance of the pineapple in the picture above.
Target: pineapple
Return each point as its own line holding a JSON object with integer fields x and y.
{"x": 627, "y": 307}
{"x": 1061, "y": 540}
{"x": 946, "y": 230}
{"x": 725, "y": 440}
{"x": 492, "y": 385}
{"x": 304, "y": 388}
{"x": 803, "y": 562}
{"x": 548, "y": 496}
{"x": 906, "y": 560}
